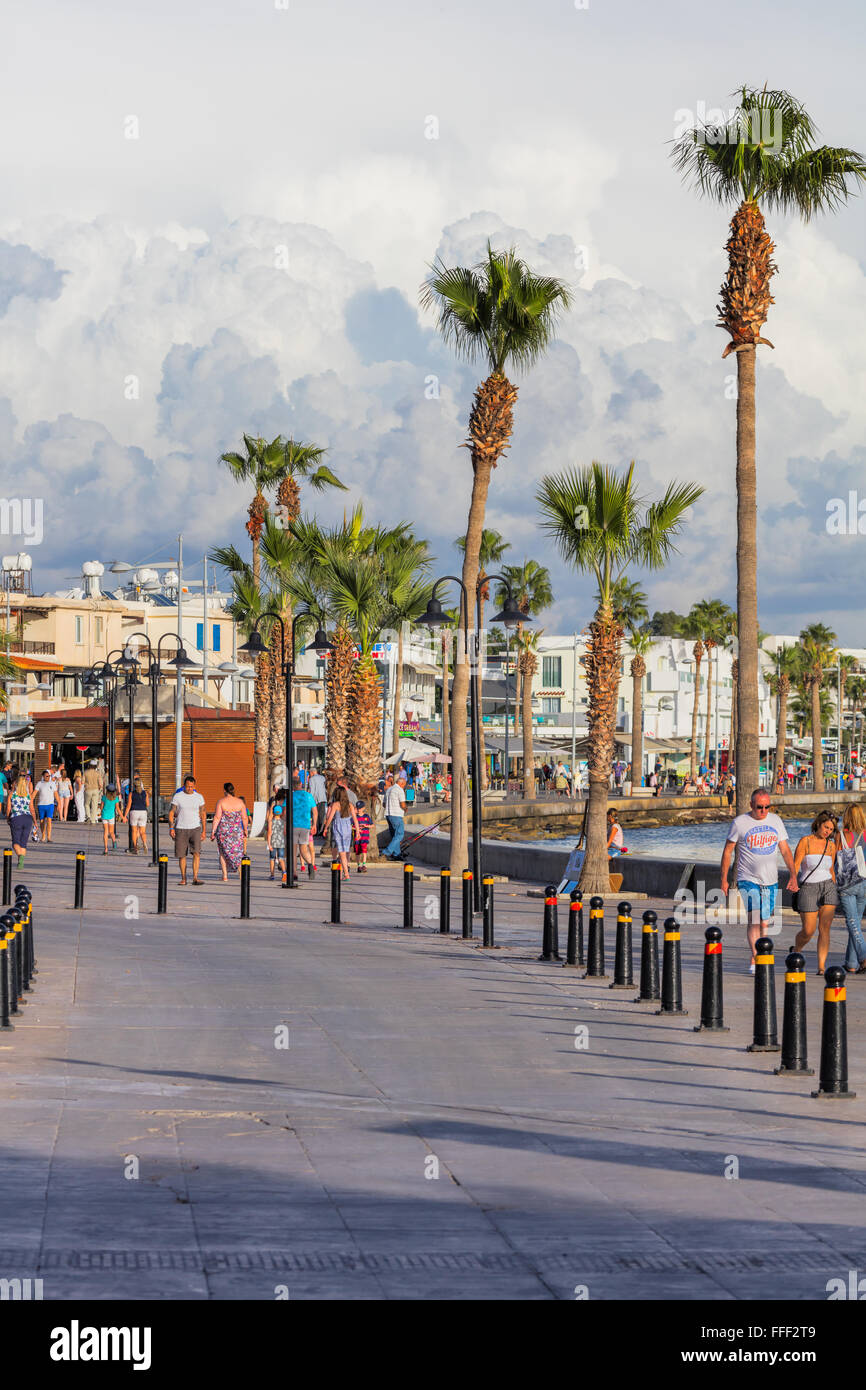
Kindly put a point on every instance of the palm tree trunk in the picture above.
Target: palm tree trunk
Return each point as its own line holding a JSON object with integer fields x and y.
{"x": 364, "y": 742}
{"x": 338, "y": 678}
{"x": 817, "y": 754}
{"x": 398, "y": 694}
{"x": 735, "y": 684}
{"x": 781, "y": 731}
{"x": 748, "y": 748}
{"x": 637, "y": 726}
{"x": 459, "y": 859}
{"x": 693, "y": 751}
{"x": 528, "y": 756}
{"x": 262, "y": 705}
{"x": 602, "y": 679}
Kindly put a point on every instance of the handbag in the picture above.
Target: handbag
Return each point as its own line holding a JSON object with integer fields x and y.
{"x": 795, "y": 897}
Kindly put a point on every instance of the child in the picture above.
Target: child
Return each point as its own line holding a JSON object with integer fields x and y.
{"x": 108, "y": 814}
{"x": 362, "y": 840}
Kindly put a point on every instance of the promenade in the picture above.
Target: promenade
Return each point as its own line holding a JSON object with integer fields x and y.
{"x": 156, "y": 1046}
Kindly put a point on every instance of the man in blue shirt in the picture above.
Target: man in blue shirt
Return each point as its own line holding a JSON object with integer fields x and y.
{"x": 304, "y": 816}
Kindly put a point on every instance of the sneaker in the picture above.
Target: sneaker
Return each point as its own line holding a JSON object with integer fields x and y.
{"x": 752, "y": 968}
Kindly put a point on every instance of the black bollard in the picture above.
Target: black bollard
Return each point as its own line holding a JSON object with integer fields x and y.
{"x": 672, "y": 970}
{"x": 487, "y": 909}
{"x": 467, "y": 904}
{"x": 7, "y": 876}
{"x": 24, "y": 901}
{"x": 7, "y": 923}
{"x": 5, "y": 1025}
{"x": 79, "y": 879}
{"x": 408, "y": 894}
{"x": 574, "y": 939}
{"x": 833, "y": 1074}
{"x": 766, "y": 1037}
{"x": 245, "y": 887}
{"x": 649, "y": 960}
{"x": 24, "y": 944}
{"x": 445, "y": 902}
{"x": 712, "y": 1006}
{"x": 162, "y": 884}
{"x": 795, "y": 1057}
{"x": 336, "y": 880}
{"x": 550, "y": 926}
{"x": 595, "y": 950}
{"x": 622, "y": 961}
{"x": 17, "y": 932}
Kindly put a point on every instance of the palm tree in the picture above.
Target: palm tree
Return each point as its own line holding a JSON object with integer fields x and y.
{"x": 764, "y": 156}
{"x": 788, "y": 665}
{"x": 711, "y": 619}
{"x": 504, "y": 314}
{"x": 629, "y": 604}
{"x": 406, "y": 564}
{"x": 601, "y": 525}
{"x": 640, "y": 643}
{"x": 532, "y": 591}
{"x": 490, "y": 553}
{"x": 262, "y": 466}
{"x": 527, "y": 664}
{"x": 817, "y": 642}
{"x": 855, "y": 688}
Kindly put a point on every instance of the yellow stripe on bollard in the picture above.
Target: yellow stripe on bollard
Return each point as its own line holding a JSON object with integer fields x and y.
{"x": 834, "y": 996}
{"x": 797, "y": 978}
{"x": 764, "y": 960}
{"x": 672, "y": 936}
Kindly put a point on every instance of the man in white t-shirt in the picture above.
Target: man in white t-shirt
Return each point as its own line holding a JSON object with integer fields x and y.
{"x": 45, "y": 795}
{"x": 187, "y": 822}
{"x": 758, "y": 834}
{"x": 395, "y": 811}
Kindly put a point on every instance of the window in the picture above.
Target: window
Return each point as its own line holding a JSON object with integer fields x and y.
{"x": 551, "y": 706}
{"x": 199, "y": 635}
{"x": 215, "y": 642}
{"x": 551, "y": 672}
{"x": 97, "y": 636}
{"x": 660, "y": 663}
{"x": 79, "y": 632}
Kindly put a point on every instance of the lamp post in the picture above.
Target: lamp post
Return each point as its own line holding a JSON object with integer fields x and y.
{"x": 180, "y": 662}
{"x": 253, "y": 648}
{"x": 106, "y": 675}
{"x": 129, "y": 665}
{"x": 510, "y": 617}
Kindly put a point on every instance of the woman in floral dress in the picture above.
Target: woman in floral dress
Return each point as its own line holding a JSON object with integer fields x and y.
{"x": 229, "y": 829}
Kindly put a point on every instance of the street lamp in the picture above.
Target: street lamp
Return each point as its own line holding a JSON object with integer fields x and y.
{"x": 510, "y": 616}
{"x": 180, "y": 662}
{"x": 435, "y": 616}
{"x": 104, "y": 674}
{"x": 253, "y": 648}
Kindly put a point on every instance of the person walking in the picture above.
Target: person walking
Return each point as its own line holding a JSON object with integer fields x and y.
{"x": 304, "y": 821}
{"x": 851, "y": 884}
{"x": 817, "y": 896}
{"x": 136, "y": 813}
{"x": 560, "y": 781}
{"x": 395, "y": 813}
{"x": 362, "y": 839}
{"x": 319, "y": 792}
{"x": 108, "y": 815}
{"x": 275, "y": 831}
{"x": 93, "y": 787}
{"x": 45, "y": 801}
{"x": 229, "y": 828}
{"x": 19, "y": 812}
{"x": 187, "y": 823}
{"x": 344, "y": 819}
{"x": 757, "y": 835}
{"x": 64, "y": 796}
{"x": 78, "y": 795}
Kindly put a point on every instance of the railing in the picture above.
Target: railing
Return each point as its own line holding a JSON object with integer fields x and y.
{"x": 32, "y": 648}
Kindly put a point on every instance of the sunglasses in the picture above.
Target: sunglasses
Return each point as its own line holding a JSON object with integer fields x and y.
{"x": 762, "y": 806}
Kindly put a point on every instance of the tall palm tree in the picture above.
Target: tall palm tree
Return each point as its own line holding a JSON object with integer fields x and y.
{"x": 711, "y": 619}
{"x": 764, "y": 157}
{"x": 629, "y": 604}
{"x": 788, "y": 666}
{"x": 622, "y": 530}
{"x": 855, "y": 688}
{"x": 262, "y": 467}
{"x": 817, "y": 642}
{"x": 502, "y": 313}
{"x": 527, "y": 664}
{"x": 532, "y": 591}
{"x": 640, "y": 643}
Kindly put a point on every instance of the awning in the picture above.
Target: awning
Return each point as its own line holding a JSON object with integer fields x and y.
{"x": 422, "y": 668}
{"x": 33, "y": 663}
{"x": 16, "y": 733}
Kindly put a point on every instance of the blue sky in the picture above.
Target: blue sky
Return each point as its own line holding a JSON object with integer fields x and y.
{"x": 250, "y": 259}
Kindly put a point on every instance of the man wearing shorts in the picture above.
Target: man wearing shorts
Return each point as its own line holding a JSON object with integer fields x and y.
{"x": 46, "y": 800}
{"x": 304, "y": 816}
{"x": 187, "y": 821}
{"x": 758, "y": 834}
